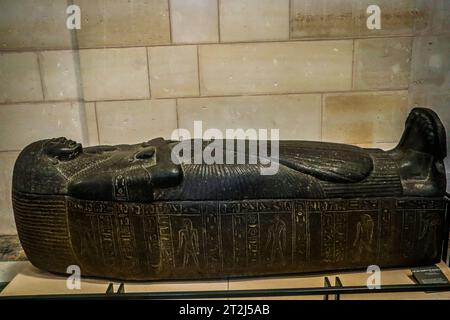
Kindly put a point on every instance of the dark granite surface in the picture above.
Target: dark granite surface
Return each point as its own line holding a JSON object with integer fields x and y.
{"x": 10, "y": 249}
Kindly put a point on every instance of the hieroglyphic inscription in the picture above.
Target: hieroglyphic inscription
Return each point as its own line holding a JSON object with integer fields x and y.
{"x": 125, "y": 233}
{"x": 302, "y": 238}
{"x": 290, "y": 235}
{"x": 165, "y": 242}
{"x": 334, "y": 227}
{"x": 239, "y": 240}
{"x": 253, "y": 245}
{"x": 386, "y": 227}
{"x": 151, "y": 238}
{"x": 409, "y": 233}
{"x": 340, "y": 236}
{"x": 213, "y": 241}
{"x": 430, "y": 226}
{"x": 109, "y": 253}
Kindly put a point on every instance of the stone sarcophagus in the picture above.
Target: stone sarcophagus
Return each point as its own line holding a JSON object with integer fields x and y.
{"x": 130, "y": 212}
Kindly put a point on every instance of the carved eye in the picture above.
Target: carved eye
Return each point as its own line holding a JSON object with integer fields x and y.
{"x": 145, "y": 154}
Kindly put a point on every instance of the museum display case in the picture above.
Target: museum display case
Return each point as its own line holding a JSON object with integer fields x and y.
{"x": 232, "y": 149}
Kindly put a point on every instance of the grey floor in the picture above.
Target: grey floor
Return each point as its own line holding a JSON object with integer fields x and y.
{"x": 10, "y": 249}
{"x": 12, "y": 259}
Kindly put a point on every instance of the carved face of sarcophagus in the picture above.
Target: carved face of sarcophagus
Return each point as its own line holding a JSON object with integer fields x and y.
{"x": 130, "y": 212}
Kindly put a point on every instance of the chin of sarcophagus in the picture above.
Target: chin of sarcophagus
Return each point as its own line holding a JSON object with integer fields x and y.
{"x": 130, "y": 212}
